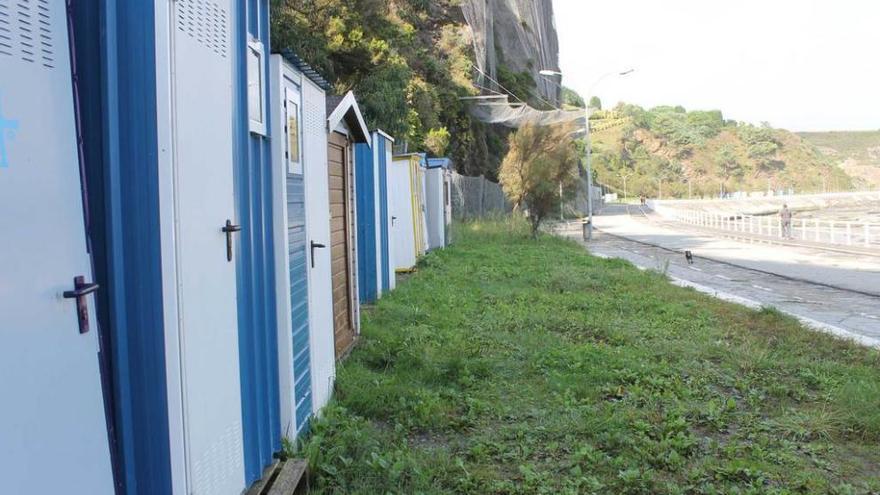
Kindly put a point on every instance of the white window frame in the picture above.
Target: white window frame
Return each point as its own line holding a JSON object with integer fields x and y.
{"x": 294, "y": 97}
{"x": 255, "y": 47}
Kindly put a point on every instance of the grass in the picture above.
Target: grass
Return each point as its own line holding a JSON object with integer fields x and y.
{"x": 507, "y": 365}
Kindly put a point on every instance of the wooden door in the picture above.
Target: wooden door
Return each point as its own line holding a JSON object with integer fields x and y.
{"x": 340, "y": 233}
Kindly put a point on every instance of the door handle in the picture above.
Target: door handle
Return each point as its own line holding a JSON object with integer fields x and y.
{"x": 315, "y": 245}
{"x": 229, "y": 229}
{"x": 80, "y": 290}
{"x": 392, "y": 221}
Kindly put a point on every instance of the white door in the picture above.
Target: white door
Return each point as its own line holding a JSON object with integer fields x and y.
{"x": 389, "y": 158}
{"x": 317, "y": 186}
{"x": 49, "y": 373}
{"x": 401, "y": 205}
{"x": 202, "y": 97}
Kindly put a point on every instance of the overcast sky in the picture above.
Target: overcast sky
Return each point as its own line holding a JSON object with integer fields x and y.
{"x": 798, "y": 64}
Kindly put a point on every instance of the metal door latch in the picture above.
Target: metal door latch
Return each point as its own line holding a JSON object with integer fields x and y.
{"x": 229, "y": 229}
{"x": 315, "y": 245}
{"x": 80, "y": 290}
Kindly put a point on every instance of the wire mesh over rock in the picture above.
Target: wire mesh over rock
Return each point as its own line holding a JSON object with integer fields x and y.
{"x": 522, "y": 31}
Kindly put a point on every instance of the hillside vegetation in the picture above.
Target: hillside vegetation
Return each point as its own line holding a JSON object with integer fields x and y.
{"x": 409, "y": 62}
{"x": 856, "y": 152}
{"x": 703, "y": 150}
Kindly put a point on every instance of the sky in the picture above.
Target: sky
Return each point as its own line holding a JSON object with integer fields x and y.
{"x": 806, "y": 65}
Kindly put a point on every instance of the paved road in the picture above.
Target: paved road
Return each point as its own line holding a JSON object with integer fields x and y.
{"x": 837, "y": 310}
{"x": 820, "y": 266}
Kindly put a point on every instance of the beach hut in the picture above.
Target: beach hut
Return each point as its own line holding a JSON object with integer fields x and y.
{"x": 438, "y": 203}
{"x": 383, "y": 156}
{"x": 169, "y": 213}
{"x": 302, "y": 235}
{"x": 371, "y": 165}
{"x": 346, "y": 127}
{"x": 406, "y": 193}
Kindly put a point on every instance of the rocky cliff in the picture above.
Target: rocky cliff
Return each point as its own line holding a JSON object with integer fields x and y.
{"x": 519, "y": 35}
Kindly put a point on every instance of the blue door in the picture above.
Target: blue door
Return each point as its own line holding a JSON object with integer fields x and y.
{"x": 297, "y": 244}
{"x": 384, "y": 232}
{"x": 257, "y": 323}
{"x": 366, "y": 223}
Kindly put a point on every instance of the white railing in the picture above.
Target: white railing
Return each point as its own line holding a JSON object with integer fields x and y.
{"x": 803, "y": 229}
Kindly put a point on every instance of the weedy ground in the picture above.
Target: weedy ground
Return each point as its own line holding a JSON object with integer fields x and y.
{"x": 512, "y": 365}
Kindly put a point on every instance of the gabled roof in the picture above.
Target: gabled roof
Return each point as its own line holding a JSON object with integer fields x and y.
{"x": 384, "y": 134}
{"x": 306, "y": 69}
{"x": 345, "y": 109}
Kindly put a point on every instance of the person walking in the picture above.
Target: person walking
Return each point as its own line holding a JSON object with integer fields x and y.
{"x": 785, "y": 217}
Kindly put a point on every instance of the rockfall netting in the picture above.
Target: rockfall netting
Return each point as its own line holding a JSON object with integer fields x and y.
{"x": 517, "y": 115}
{"x": 522, "y": 31}
{"x": 524, "y": 34}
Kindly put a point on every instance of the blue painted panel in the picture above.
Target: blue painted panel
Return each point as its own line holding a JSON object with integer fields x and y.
{"x": 299, "y": 300}
{"x": 113, "y": 41}
{"x": 257, "y": 326}
{"x": 366, "y": 223}
{"x": 384, "y": 231}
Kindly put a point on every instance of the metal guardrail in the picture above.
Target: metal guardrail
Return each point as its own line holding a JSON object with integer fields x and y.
{"x": 836, "y": 233}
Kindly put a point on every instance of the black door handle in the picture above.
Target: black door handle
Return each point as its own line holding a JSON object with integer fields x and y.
{"x": 229, "y": 229}
{"x": 315, "y": 245}
{"x": 80, "y": 290}
{"x": 392, "y": 221}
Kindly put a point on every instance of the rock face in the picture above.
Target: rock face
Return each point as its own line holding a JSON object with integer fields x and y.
{"x": 521, "y": 34}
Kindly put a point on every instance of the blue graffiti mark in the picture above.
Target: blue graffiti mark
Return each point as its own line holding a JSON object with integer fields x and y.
{"x": 7, "y": 131}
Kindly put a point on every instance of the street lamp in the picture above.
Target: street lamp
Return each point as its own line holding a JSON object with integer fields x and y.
{"x": 625, "y": 176}
{"x": 588, "y": 233}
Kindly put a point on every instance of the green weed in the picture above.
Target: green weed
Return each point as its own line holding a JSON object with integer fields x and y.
{"x": 508, "y": 365}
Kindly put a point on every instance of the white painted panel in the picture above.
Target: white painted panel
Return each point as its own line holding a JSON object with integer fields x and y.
{"x": 423, "y": 209}
{"x": 389, "y": 158}
{"x": 202, "y": 62}
{"x": 53, "y": 434}
{"x": 167, "y": 215}
{"x": 377, "y": 212}
{"x": 400, "y": 197}
{"x": 280, "y": 246}
{"x": 317, "y": 186}
{"x": 434, "y": 207}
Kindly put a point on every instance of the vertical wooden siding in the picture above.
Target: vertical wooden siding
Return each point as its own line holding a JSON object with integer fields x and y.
{"x": 340, "y": 245}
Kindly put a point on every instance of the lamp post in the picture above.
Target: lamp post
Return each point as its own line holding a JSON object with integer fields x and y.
{"x": 625, "y": 176}
{"x": 588, "y": 231}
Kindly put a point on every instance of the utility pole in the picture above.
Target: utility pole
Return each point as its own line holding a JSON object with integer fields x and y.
{"x": 561, "y": 204}
{"x": 588, "y": 231}
{"x": 625, "y": 176}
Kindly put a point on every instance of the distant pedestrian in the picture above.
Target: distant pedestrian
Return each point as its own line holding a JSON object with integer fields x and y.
{"x": 785, "y": 217}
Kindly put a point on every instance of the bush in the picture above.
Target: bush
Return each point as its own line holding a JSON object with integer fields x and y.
{"x": 540, "y": 170}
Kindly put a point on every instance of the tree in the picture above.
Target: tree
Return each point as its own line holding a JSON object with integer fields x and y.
{"x": 595, "y": 103}
{"x": 437, "y": 141}
{"x": 541, "y": 163}
{"x": 571, "y": 98}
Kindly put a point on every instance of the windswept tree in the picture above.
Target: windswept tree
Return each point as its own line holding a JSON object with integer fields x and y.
{"x": 540, "y": 170}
